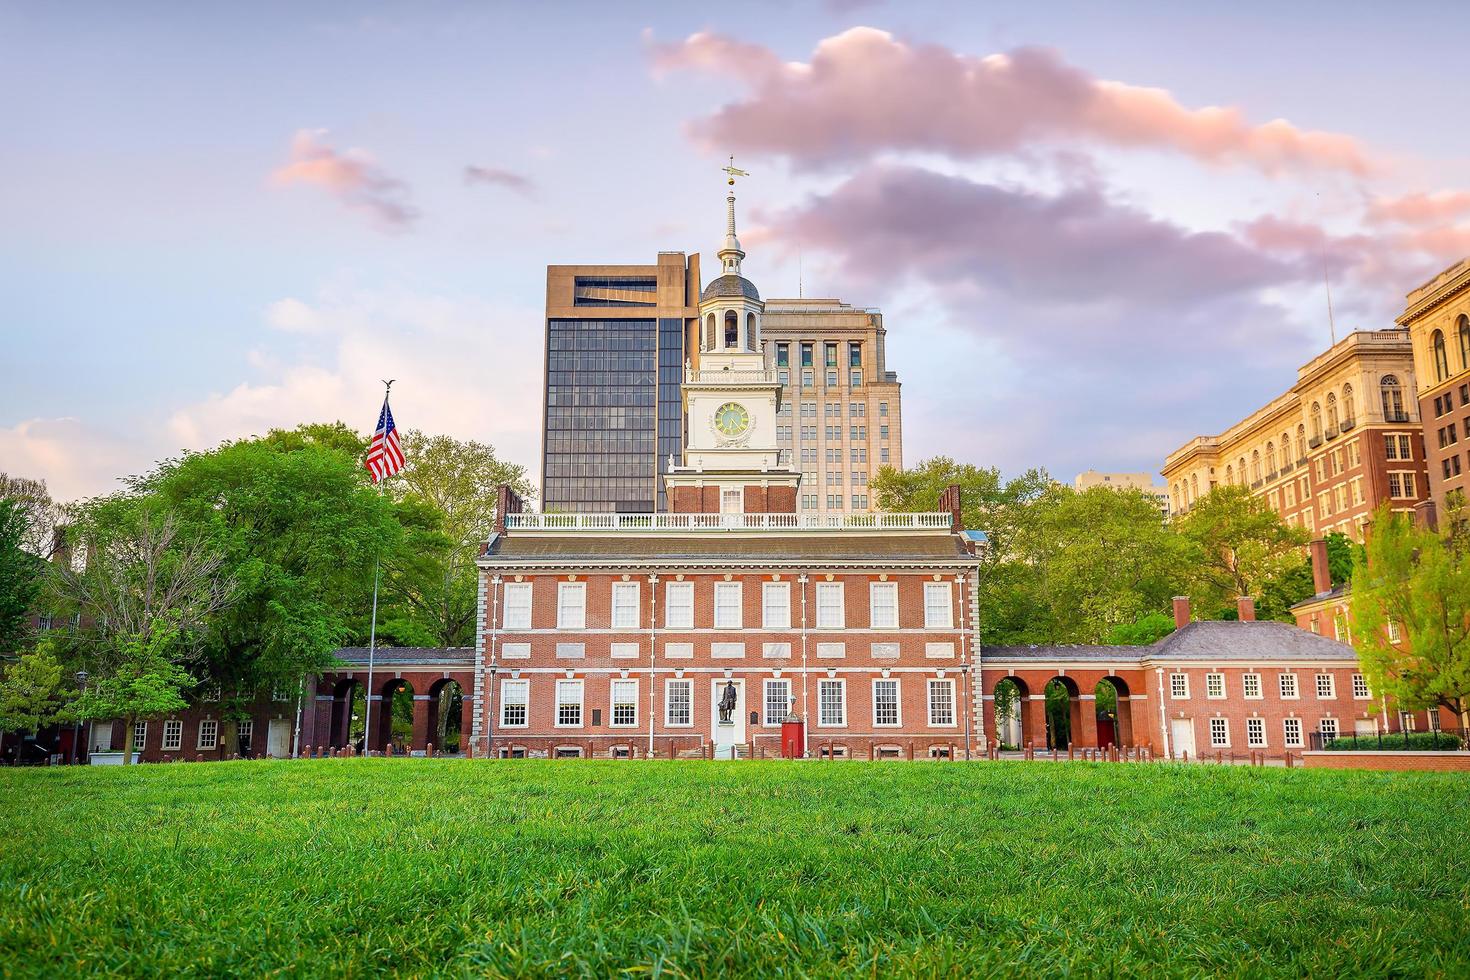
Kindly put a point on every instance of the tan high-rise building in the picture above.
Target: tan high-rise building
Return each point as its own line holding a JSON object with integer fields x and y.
{"x": 1142, "y": 482}
{"x": 840, "y": 416}
{"x": 1437, "y": 316}
{"x": 1342, "y": 440}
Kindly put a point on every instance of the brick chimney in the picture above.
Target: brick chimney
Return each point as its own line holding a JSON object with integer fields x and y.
{"x": 949, "y": 502}
{"x": 1321, "y": 574}
{"x": 507, "y": 502}
{"x": 1181, "y": 611}
{"x": 1245, "y": 609}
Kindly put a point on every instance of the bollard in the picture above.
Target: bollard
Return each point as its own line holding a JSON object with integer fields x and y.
{"x": 1288, "y": 760}
{"x": 429, "y": 750}
{"x": 1070, "y": 754}
{"x": 1185, "y": 755}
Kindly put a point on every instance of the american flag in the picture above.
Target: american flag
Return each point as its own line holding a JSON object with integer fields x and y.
{"x": 385, "y": 455}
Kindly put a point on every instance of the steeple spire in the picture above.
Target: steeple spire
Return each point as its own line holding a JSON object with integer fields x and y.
{"x": 732, "y": 253}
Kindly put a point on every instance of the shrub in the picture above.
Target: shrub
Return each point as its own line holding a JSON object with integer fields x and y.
{"x": 1400, "y": 741}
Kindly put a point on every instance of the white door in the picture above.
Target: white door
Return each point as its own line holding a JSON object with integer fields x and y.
{"x": 1181, "y": 736}
{"x": 278, "y": 739}
{"x": 727, "y": 736}
{"x": 101, "y": 736}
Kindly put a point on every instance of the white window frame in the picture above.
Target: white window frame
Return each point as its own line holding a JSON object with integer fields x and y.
{"x": 679, "y": 612}
{"x": 1178, "y": 686}
{"x": 1288, "y": 679}
{"x": 729, "y": 616}
{"x": 561, "y": 701}
{"x": 210, "y": 727}
{"x": 245, "y": 731}
{"x": 524, "y": 686}
{"x": 279, "y": 693}
{"x": 1323, "y": 724}
{"x": 140, "y": 735}
{"x": 840, "y": 685}
{"x": 1330, "y": 687}
{"x": 769, "y": 686}
{"x": 517, "y": 615}
{"x": 897, "y": 721}
{"x": 1395, "y": 632}
{"x": 571, "y": 615}
{"x": 1221, "y": 725}
{"x": 1255, "y": 733}
{"x": 932, "y": 595}
{"x": 515, "y": 651}
{"x": 831, "y": 614}
{"x": 1246, "y": 681}
{"x": 623, "y": 683}
{"x": 1287, "y": 739}
{"x": 889, "y": 610}
{"x": 1215, "y": 686}
{"x": 1361, "y": 691}
{"x": 941, "y": 683}
{"x": 626, "y": 601}
{"x": 685, "y": 684}
{"x": 776, "y": 605}
{"x": 173, "y": 735}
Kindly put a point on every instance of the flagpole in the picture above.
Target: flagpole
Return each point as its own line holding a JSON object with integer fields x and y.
{"x": 367, "y": 725}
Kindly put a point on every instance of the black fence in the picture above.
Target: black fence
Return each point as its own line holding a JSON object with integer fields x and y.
{"x": 1442, "y": 740}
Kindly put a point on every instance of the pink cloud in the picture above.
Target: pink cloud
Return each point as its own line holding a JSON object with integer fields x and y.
{"x": 1420, "y": 209}
{"x": 351, "y": 177}
{"x": 865, "y": 91}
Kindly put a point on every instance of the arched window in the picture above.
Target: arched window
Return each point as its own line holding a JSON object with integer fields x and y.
{"x": 1177, "y": 505}
{"x": 1286, "y": 456}
{"x": 1194, "y": 487}
{"x": 1316, "y": 422}
{"x": 1332, "y": 413}
{"x": 1441, "y": 361}
{"x": 1465, "y": 342}
{"x": 1301, "y": 441}
{"x": 732, "y": 330}
{"x": 750, "y": 331}
{"x": 1271, "y": 458}
{"x": 1256, "y": 465}
{"x": 1393, "y": 399}
{"x": 1241, "y": 471}
{"x": 1230, "y": 473}
{"x": 709, "y": 332}
{"x": 1349, "y": 413}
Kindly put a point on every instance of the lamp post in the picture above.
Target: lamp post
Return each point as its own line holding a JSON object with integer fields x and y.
{"x": 76, "y": 737}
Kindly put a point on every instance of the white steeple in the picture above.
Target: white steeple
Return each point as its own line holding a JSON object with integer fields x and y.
{"x": 732, "y": 253}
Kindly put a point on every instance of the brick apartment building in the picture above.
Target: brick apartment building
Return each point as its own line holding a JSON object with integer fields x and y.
{"x": 1326, "y": 453}
{"x": 1437, "y": 316}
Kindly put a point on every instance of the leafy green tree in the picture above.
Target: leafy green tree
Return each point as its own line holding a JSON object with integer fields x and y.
{"x": 1101, "y": 558}
{"x": 1419, "y": 580}
{"x": 43, "y": 515}
{"x": 297, "y": 527}
{"x": 1240, "y": 545}
{"x": 142, "y": 683}
{"x": 1297, "y": 583}
{"x": 447, "y": 495}
{"x": 20, "y": 574}
{"x": 1144, "y": 631}
{"x": 30, "y": 692}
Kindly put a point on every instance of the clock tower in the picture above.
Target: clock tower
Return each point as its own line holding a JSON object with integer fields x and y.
{"x": 731, "y": 463}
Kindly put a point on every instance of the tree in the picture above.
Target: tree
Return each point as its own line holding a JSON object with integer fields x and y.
{"x": 297, "y": 527}
{"x": 1418, "y": 580}
{"x": 30, "y": 692}
{"x": 447, "y": 492}
{"x": 20, "y": 574}
{"x": 1240, "y": 544}
{"x": 146, "y": 597}
{"x": 1144, "y": 631}
{"x": 44, "y": 517}
{"x": 1298, "y": 582}
{"x": 1100, "y": 558}
{"x": 143, "y": 682}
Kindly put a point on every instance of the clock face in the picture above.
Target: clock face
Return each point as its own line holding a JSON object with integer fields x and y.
{"x": 731, "y": 419}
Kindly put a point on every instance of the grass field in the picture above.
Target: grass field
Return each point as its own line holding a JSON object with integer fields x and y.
{"x": 533, "y": 868}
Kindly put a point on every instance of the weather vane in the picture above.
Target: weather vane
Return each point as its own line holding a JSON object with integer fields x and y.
{"x": 734, "y": 171}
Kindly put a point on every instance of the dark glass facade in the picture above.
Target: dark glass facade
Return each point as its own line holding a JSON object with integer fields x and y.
{"x": 612, "y": 412}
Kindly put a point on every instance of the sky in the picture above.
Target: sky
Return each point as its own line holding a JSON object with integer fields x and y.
{"x": 1095, "y": 230}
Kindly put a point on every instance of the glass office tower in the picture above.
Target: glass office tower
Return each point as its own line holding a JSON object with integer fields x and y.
{"x": 613, "y": 411}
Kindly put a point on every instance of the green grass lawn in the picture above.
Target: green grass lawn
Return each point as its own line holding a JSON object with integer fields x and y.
{"x": 698, "y": 868}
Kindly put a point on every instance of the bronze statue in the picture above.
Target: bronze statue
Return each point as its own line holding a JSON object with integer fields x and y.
{"x": 727, "y": 703}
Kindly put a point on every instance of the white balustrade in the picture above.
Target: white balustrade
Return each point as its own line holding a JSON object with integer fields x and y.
{"x": 726, "y": 522}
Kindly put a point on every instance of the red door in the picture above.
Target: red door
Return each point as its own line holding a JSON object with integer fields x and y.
{"x": 1105, "y": 735}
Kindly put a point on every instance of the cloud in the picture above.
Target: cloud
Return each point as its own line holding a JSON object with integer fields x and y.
{"x": 352, "y": 177}
{"x": 865, "y": 91}
{"x": 1059, "y": 326}
{"x": 75, "y": 459}
{"x": 496, "y": 177}
{"x": 1420, "y": 208}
